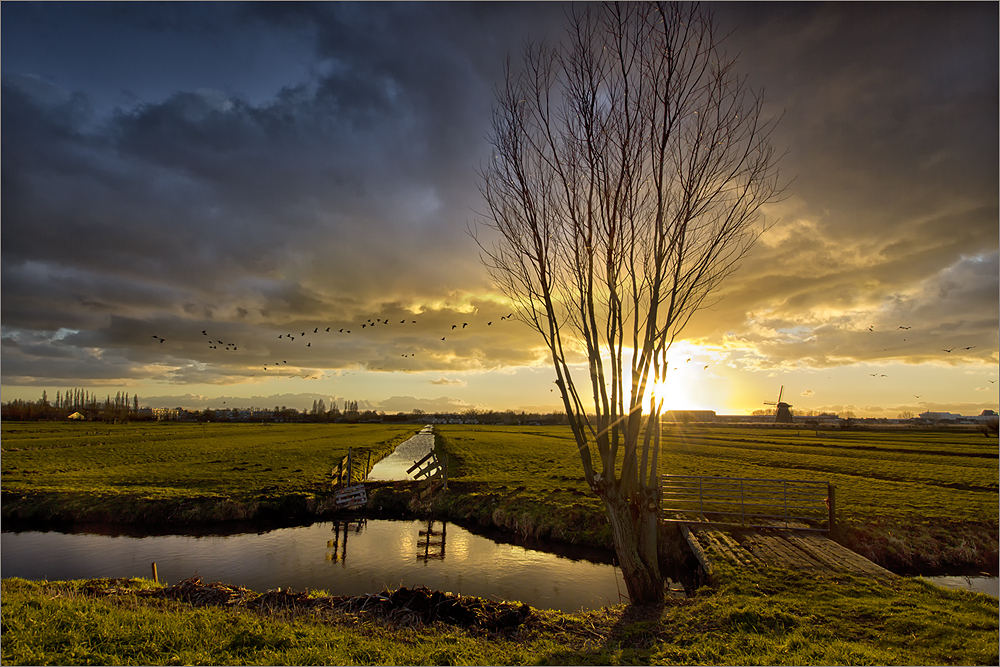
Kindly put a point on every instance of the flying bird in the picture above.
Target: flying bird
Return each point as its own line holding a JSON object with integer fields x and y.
{"x": 488, "y": 323}
{"x": 949, "y": 351}
{"x": 204, "y": 333}
{"x": 316, "y": 330}
{"x": 328, "y": 329}
{"x": 453, "y": 326}
{"x": 402, "y": 321}
{"x": 969, "y": 348}
{"x": 915, "y": 396}
{"x": 465, "y": 324}
{"x": 442, "y": 337}
{"x": 903, "y": 327}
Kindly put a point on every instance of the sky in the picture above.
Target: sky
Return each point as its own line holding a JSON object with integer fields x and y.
{"x": 261, "y": 172}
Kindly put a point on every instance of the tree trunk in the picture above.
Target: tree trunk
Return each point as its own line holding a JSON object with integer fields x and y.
{"x": 635, "y": 546}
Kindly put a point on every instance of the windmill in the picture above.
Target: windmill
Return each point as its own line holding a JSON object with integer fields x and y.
{"x": 782, "y": 414}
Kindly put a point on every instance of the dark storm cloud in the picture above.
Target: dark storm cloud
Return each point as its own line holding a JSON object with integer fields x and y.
{"x": 891, "y": 126}
{"x": 261, "y": 168}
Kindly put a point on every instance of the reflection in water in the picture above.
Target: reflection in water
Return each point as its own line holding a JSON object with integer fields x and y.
{"x": 381, "y": 554}
{"x": 427, "y": 541}
{"x": 341, "y": 541}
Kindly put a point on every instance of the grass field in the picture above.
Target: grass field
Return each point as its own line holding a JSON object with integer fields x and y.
{"x": 773, "y": 617}
{"x": 170, "y": 463}
{"x": 903, "y": 497}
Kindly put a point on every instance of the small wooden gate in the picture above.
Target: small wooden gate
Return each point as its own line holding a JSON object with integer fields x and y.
{"x": 349, "y": 495}
{"x": 747, "y": 503}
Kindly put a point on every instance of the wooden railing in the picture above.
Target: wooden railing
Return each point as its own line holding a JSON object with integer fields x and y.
{"x": 747, "y": 503}
{"x": 433, "y": 472}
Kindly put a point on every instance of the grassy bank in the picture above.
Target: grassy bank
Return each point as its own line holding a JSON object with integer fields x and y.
{"x": 905, "y": 499}
{"x": 161, "y": 472}
{"x": 769, "y": 617}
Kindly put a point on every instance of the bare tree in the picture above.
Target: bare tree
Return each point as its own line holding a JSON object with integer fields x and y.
{"x": 629, "y": 166}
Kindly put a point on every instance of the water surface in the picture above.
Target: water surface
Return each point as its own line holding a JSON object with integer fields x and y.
{"x": 393, "y": 467}
{"x": 977, "y": 584}
{"x": 343, "y": 558}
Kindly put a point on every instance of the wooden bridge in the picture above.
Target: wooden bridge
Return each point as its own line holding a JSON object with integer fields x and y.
{"x": 787, "y": 548}
{"x": 750, "y": 522}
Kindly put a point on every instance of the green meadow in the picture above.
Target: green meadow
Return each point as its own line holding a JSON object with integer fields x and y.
{"x": 903, "y": 498}
{"x": 917, "y": 498}
{"x": 771, "y": 617}
{"x": 168, "y": 471}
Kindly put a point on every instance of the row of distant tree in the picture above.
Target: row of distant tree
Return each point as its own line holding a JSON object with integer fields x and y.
{"x": 81, "y": 403}
{"x": 120, "y": 407}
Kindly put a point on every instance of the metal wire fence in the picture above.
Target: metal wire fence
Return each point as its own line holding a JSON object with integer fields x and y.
{"x": 747, "y": 502}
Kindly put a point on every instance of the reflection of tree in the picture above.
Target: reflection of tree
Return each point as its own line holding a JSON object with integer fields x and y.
{"x": 426, "y": 541}
{"x": 339, "y": 541}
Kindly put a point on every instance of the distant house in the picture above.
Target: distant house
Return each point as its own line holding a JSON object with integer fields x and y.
{"x": 940, "y": 416}
{"x": 76, "y": 416}
{"x": 689, "y": 416}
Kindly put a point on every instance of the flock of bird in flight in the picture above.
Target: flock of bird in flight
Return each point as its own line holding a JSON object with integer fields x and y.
{"x": 369, "y": 324}
{"x": 883, "y": 375}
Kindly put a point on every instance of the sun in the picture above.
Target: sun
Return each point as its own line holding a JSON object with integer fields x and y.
{"x": 673, "y": 395}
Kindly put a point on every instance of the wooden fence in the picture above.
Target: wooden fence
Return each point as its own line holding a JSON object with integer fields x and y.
{"x": 747, "y": 502}
{"x": 432, "y": 471}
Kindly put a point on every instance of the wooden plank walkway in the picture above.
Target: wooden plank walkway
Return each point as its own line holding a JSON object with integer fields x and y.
{"x": 791, "y": 549}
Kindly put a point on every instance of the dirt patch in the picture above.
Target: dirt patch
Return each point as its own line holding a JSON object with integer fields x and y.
{"x": 405, "y": 606}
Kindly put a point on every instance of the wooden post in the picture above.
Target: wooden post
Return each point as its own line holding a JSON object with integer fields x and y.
{"x": 350, "y": 466}
{"x": 340, "y": 472}
{"x": 831, "y": 503}
{"x": 156, "y": 577}
{"x": 368, "y": 466}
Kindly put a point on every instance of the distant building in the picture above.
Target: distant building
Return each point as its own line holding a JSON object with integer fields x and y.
{"x": 689, "y": 416}
{"x": 940, "y": 416}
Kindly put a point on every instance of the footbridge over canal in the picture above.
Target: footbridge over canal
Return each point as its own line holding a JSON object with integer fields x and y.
{"x": 752, "y": 522}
